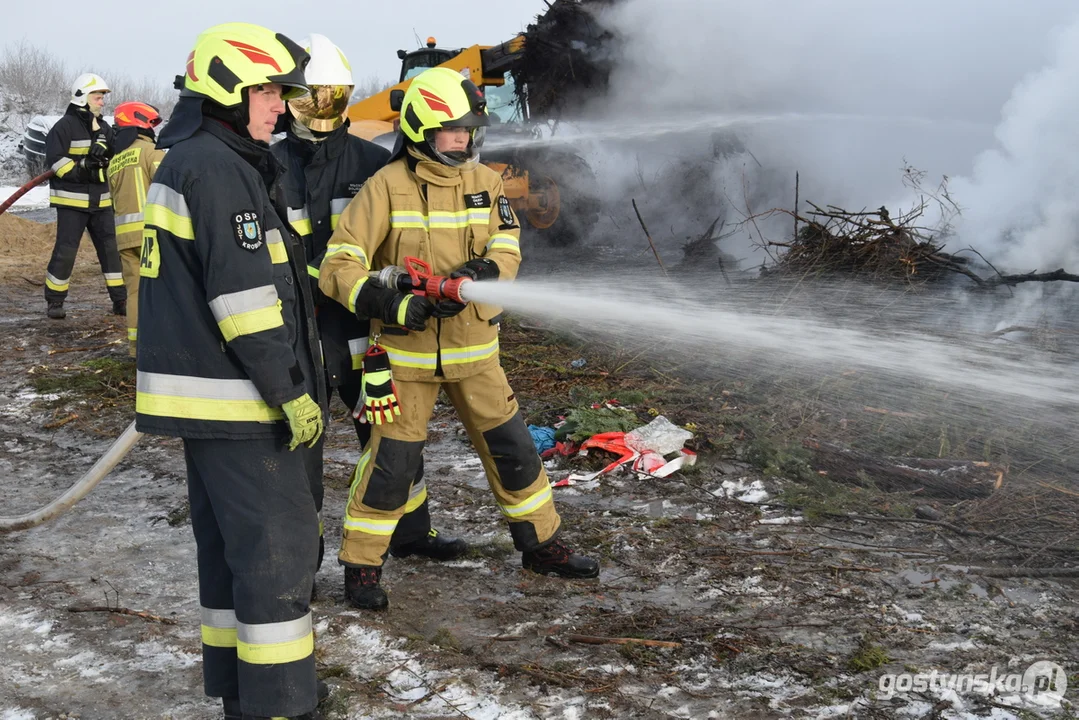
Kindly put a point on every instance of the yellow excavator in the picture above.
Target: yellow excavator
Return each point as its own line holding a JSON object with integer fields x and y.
{"x": 552, "y": 188}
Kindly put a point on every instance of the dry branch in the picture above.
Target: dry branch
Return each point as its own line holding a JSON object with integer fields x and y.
{"x": 931, "y": 477}
{"x": 596, "y": 640}
{"x": 648, "y": 235}
{"x": 122, "y": 611}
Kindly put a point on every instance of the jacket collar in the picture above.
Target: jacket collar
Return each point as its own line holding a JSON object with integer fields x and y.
{"x": 83, "y": 114}
{"x": 332, "y": 146}
{"x": 125, "y": 137}
{"x": 254, "y": 153}
{"x": 435, "y": 173}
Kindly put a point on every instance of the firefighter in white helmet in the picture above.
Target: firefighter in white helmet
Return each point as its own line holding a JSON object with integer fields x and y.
{"x": 325, "y": 167}
{"x": 77, "y": 150}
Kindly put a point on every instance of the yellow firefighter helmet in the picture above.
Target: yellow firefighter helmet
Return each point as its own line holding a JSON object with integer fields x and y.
{"x": 229, "y": 57}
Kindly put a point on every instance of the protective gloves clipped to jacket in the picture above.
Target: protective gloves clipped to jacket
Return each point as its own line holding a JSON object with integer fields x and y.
{"x": 392, "y": 306}
{"x": 304, "y": 420}
{"x": 378, "y": 397}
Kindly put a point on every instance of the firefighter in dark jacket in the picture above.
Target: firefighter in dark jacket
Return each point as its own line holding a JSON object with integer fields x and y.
{"x": 325, "y": 167}
{"x": 228, "y": 361}
{"x": 77, "y": 150}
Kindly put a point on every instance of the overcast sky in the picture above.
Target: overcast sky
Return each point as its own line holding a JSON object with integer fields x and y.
{"x": 153, "y": 39}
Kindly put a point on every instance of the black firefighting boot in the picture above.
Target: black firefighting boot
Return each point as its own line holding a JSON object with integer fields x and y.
{"x": 557, "y": 558}
{"x": 313, "y": 715}
{"x": 56, "y": 311}
{"x": 362, "y": 590}
{"x": 233, "y": 712}
{"x": 119, "y": 307}
{"x": 433, "y": 546}
{"x": 232, "y": 708}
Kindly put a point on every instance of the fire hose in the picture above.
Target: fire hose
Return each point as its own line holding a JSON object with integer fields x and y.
{"x": 25, "y": 189}
{"x": 414, "y": 277}
{"x": 80, "y": 489}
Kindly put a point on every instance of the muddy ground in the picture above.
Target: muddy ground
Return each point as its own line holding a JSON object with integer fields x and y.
{"x": 753, "y": 606}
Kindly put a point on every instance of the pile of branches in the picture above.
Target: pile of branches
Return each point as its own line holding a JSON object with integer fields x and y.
{"x": 569, "y": 56}
{"x": 831, "y": 241}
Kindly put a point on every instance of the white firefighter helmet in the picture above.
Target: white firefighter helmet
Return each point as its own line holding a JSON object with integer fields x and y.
{"x": 329, "y": 77}
{"x": 328, "y": 65}
{"x": 84, "y": 85}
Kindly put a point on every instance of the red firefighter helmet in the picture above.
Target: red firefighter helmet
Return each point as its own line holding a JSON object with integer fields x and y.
{"x": 136, "y": 114}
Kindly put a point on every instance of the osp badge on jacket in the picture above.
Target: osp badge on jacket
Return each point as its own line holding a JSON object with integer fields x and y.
{"x": 248, "y": 230}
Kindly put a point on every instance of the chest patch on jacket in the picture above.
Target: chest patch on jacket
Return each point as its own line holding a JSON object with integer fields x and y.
{"x": 505, "y": 212}
{"x": 478, "y": 200}
{"x": 248, "y": 230}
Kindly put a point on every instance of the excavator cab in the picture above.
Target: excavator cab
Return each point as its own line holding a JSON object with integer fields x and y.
{"x": 415, "y": 62}
{"x": 552, "y": 188}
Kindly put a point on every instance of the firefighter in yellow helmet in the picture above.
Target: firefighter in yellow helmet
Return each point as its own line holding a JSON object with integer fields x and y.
{"x": 436, "y": 202}
{"x": 228, "y": 361}
{"x": 131, "y": 170}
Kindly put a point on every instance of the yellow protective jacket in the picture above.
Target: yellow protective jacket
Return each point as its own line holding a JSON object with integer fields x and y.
{"x": 446, "y": 216}
{"x": 130, "y": 172}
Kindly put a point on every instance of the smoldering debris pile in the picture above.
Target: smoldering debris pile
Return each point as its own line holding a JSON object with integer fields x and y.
{"x": 831, "y": 241}
{"x": 569, "y": 57}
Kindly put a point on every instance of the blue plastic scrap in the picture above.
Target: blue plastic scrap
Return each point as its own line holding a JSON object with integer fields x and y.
{"x": 542, "y": 437}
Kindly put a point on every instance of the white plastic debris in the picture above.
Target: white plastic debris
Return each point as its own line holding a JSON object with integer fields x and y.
{"x": 660, "y": 436}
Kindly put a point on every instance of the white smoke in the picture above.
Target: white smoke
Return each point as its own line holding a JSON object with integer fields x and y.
{"x": 1021, "y": 201}
{"x": 863, "y": 88}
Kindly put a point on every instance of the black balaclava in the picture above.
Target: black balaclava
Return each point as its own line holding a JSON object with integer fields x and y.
{"x": 235, "y": 117}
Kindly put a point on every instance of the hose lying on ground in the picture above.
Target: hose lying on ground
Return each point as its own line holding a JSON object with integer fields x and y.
{"x": 79, "y": 490}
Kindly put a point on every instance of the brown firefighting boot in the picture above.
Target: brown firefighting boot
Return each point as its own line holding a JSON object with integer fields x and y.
{"x": 433, "y": 546}
{"x": 362, "y": 590}
{"x": 557, "y": 558}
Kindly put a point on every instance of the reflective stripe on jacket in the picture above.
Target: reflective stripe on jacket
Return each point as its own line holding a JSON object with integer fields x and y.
{"x": 68, "y": 142}
{"x": 130, "y": 172}
{"x": 320, "y": 180}
{"x": 445, "y": 216}
{"x": 228, "y": 330}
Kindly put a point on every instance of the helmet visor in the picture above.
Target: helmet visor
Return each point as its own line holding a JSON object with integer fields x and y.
{"x": 323, "y": 108}
{"x": 470, "y": 156}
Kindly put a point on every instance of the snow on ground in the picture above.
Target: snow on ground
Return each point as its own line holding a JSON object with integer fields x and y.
{"x": 36, "y": 199}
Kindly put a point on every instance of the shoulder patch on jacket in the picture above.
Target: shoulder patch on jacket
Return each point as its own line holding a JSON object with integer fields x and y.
{"x": 505, "y": 212}
{"x": 478, "y": 200}
{"x": 248, "y": 230}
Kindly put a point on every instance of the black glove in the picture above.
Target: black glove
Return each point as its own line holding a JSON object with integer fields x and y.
{"x": 477, "y": 269}
{"x": 385, "y": 304}
{"x": 99, "y": 146}
{"x": 447, "y": 308}
{"x": 91, "y": 162}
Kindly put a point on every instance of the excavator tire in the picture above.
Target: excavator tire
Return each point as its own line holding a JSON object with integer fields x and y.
{"x": 569, "y": 185}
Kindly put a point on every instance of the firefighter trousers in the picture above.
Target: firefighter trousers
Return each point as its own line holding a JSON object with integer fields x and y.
{"x": 256, "y": 531}
{"x": 383, "y": 477}
{"x": 415, "y": 524}
{"x": 70, "y": 225}
{"x": 130, "y": 260}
